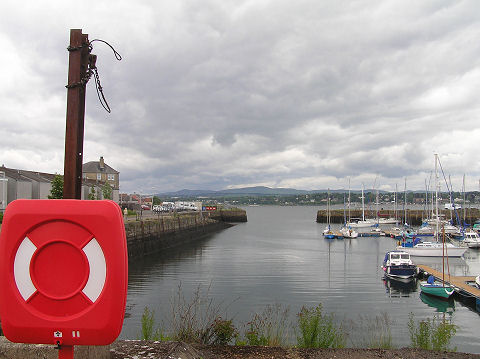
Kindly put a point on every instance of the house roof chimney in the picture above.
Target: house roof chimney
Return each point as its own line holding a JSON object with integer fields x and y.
{"x": 101, "y": 163}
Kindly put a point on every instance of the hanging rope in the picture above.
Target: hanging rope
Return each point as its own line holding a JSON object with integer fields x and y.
{"x": 92, "y": 70}
{"x": 117, "y": 55}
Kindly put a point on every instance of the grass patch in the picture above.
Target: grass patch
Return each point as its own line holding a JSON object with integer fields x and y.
{"x": 198, "y": 320}
{"x": 149, "y": 332}
{"x": 269, "y": 328}
{"x": 318, "y": 330}
{"x": 435, "y": 334}
{"x": 371, "y": 332}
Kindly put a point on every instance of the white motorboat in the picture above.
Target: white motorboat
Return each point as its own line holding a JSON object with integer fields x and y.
{"x": 471, "y": 239}
{"x": 397, "y": 264}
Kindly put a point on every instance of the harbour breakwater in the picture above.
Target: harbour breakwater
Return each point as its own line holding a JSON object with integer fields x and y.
{"x": 166, "y": 231}
{"x": 413, "y": 216}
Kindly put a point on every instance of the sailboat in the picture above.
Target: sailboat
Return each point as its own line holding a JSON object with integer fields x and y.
{"x": 346, "y": 230}
{"x": 438, "y": 289}
{"x": 362, "y": 223}
{"x": 327, "y": 232}
{"x": 433, "y": 249}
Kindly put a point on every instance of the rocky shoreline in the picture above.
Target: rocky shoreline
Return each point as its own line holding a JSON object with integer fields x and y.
{"x": 136, "y": 349}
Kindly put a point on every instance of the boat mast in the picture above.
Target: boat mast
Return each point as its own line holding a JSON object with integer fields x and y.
{"x": 464, "y": 206}
{"x": 328, "y": 209}
{"x": 405, "y": 202}
{"x": 395, "y": 202}
{"x": 363, "y": 204}
{"x": 425, "y": 207}
{"x": 349, "y": 200}
{"x": 436, "y": 198}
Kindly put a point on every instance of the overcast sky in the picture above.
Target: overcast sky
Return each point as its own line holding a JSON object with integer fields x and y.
{"x": 216, "y": 94}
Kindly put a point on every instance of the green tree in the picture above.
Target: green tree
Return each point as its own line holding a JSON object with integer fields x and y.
{"x": 107, "y": 191}
{"x": 91, "y": 195}
{"x": 57, "y": 188}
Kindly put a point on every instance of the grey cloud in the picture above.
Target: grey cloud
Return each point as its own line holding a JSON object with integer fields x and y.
{"x": 223, "y": 93}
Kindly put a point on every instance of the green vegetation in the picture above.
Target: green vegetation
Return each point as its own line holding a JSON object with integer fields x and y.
{"x": 148, "y": 323}
{"x": 92, "y": 195}
{"x": 1, "y": 217}
{"x": 270, "y": 327}
{"x": 56, "y": 191}
{"x": 320, "y": 198}
{"x": 223, "y": 331}
{"x": 107, "y": 191}
{"x": 318, "y": 330}
{"x": 371, "y": 332}
{"x": 433, "y": 334}
{"x": 198, "y": 320}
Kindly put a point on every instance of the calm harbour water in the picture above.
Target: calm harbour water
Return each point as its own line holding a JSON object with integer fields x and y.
{"x": 280, "y": 257}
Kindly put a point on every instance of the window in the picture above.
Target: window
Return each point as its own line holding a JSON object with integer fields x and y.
{"x": 111, "y": 177}
{"x": 99, "y": 176}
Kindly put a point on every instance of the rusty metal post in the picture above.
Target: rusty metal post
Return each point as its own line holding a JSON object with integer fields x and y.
{"x": 77, "y": 80}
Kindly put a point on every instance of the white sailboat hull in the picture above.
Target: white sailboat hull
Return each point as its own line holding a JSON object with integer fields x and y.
{"x": 387, "y": 221}
{"x": 433, "y": 250}
{"x": 361, "y": 224}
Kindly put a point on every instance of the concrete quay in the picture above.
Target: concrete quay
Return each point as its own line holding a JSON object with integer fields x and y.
{"x": 157, "y": 232}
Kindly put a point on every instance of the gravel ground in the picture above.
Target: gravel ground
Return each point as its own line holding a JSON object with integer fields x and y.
{"x": 173, "y": 350}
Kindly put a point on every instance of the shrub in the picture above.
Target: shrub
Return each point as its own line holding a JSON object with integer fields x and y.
{"x": 269, "y": 328}
{"x": 148, "y": 323}
{"x": 223, "y": 331}
{"x": 194, "y": 321}
{"x": 433, "y": 334}
{"x": 318, "y": 330}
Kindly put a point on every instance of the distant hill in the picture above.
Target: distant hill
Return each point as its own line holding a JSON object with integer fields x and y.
{"x": 250, "y": 191}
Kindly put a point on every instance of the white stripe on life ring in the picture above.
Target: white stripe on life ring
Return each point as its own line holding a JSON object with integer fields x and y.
{"x": 98, "y": 270}
{"x": 21, "y": 268}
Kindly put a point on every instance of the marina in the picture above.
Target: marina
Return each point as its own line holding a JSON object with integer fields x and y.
{"x": 281, "y": 257}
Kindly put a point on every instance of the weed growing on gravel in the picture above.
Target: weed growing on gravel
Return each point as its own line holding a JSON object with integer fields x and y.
{"x": 148, "y": 324}
{"x": 434, "y": 334}
{"x": 223, "y": 331}
{"x": 371, "y": 332}
{"x": 318, "y": 330}
{"x": 271, "y": 327}
{"x": 198, "y": 320}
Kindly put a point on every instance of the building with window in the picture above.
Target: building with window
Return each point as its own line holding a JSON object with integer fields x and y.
{"x": 99, "y": 171}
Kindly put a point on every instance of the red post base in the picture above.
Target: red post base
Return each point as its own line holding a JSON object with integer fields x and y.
{"x": 65, "y": 352}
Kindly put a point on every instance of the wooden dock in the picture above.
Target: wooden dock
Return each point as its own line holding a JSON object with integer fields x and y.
{"x": 461, "y": 283}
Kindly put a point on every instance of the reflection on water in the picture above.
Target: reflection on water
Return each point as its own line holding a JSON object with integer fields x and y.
{"x": 280, "y": 257}
{"x": 440, "y": 305}
{"x": 400, "y": 287}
